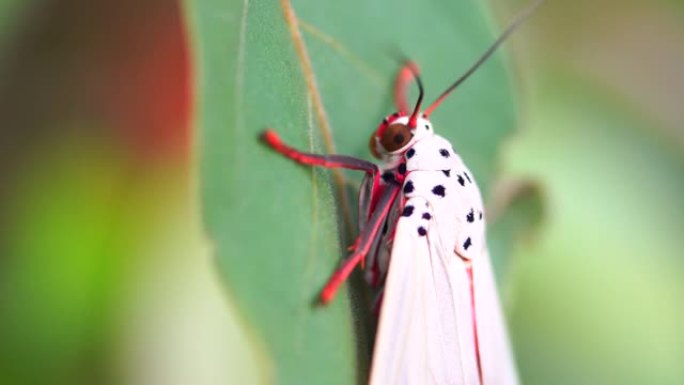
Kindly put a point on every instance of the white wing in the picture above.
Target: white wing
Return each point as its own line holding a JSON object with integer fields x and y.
{"x": 498, "y": 366}
{"x": 425, "y": 332}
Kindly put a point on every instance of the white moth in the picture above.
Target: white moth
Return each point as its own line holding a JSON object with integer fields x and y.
{"x": 440, "y": 320}
{"x": 422, "y": 235}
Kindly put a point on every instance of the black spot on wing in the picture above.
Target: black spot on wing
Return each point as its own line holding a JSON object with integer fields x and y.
{"x": 408, "y": 187}
{"x": 402, "y": 168}
{"x": 444, "y": 152}
{"x": 467, "y": 244}
{"x": 388, "y": 177}
{"x": 422, "y": 231}
{"x": 461, "y": 181}
{"x": 467, "y": 176}
{"x": 427, "y": 216}
{"x": 447, "y": 173}
{"x": 471, "y": 216}
{"x": 480, "y": 214}
{"x": 410, "y": 153}
{"x": 439, "y": 190}
{"x": 408, "y": 210}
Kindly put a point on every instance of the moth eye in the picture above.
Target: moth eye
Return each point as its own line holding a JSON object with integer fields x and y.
{"x": 373, "y": 147}
{"x": 395, "y": 137}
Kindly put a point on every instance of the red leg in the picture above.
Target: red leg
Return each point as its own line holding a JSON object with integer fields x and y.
{"x": 272, "y": 139}
{"x": 404, "y": 77}
{"x": 379, "y": 210}
{"x": 363, "y": 243}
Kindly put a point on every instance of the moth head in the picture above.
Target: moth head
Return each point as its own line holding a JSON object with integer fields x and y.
{"x": 396, "y": 134}
{"x": 399, "y": 131}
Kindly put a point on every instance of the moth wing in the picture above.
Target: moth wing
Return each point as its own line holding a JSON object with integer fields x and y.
{"x": 498, "y": 365}
{"x": 496, "y": 358}
{"x": 425, "y": 330}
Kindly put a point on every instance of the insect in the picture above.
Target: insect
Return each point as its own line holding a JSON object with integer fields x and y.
{"x": 422, "y": 239}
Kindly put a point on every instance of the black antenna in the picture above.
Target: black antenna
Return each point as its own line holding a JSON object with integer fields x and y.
{"x": 511, "y": 27}
{"x": 414, "y": 116}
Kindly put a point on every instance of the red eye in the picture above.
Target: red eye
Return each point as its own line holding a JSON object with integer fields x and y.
{"x": 395, "y": 137}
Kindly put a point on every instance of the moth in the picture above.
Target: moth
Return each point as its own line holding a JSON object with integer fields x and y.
{"x": 422, "y": 240}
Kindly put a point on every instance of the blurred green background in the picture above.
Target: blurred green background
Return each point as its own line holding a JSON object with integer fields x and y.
{"x": 106, "y": 275}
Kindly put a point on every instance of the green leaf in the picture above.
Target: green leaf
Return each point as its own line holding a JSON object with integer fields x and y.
{"x": 515, "y": 216}
{"x": 276, "y": 225}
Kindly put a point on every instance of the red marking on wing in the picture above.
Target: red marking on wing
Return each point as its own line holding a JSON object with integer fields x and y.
{"x": 469, "y": 269}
